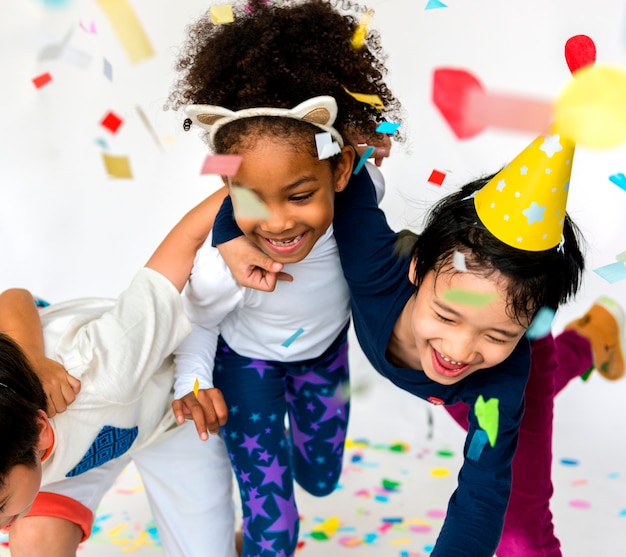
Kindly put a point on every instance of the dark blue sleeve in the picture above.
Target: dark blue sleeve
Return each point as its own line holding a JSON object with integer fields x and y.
{"x": 476, "y": 510}
{"x": 225, "y": 227}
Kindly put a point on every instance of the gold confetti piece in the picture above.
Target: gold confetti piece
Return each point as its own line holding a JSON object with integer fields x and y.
{"x": 440, "y": 472}
{"x": 358, "y": 39}
{"x": 128, "y": 28}
{"x": 401, "y": 541}
{"x": 329, "y": 526}
{"x": 196, "y": 387}
{"x": 117, "y": 166}
{"x": 117, "y": 529}
{"x": 373, "y": 100}
{"x": 222, "y": 14}
{"x": 146, "y": 122}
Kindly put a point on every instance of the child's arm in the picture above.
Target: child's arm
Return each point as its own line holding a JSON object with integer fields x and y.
{"x": 19, "y": 319}
{"x": 175, "y": 255}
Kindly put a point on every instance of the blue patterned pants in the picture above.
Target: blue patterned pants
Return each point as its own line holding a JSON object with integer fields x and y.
{"x": 265, "y": 456}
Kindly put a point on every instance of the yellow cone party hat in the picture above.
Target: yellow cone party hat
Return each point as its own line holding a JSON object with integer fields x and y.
{"x": 524, "y": 204}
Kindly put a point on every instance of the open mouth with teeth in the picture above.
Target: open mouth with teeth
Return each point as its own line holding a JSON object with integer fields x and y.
{"x": 446, "y": 366}
{"x": 285, "y": 245}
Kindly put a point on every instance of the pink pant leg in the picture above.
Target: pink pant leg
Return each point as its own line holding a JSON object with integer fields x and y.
{"x": 528, "y": 528}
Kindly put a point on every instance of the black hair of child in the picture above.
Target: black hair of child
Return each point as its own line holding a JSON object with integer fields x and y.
{"x": 536, "y": 279}
{"x": 21, "y": 398}
{"x": 279, "y": 55}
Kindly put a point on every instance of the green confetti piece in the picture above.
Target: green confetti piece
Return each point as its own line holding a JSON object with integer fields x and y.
{"x": 445, "y": 453}
{"x": 319, "y": 536}
{"x": 399, "y": 447}
{"x": 488, "y": 416}
{"x": 468, "y": 297}
{"x": 390, "y": 484}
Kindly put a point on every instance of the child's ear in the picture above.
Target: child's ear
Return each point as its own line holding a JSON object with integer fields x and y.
{"x": 344, "y": 168}
{"x": 46, "y": 434}
{"x": 412, "y": 266}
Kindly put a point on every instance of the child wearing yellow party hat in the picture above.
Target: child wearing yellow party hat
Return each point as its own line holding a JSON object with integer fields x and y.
{"x": 417, "y": 321}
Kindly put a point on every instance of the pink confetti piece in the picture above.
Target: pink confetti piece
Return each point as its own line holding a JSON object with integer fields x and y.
{"x": 580, "y": 504}
{"x": 223, "y": 165}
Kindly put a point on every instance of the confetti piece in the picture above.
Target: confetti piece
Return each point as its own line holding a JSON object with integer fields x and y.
{"x": 477, "y": 444}
{"x": 146, "y": 122}
{"x": 293, "y": 337}
{"x": 400, "y": 541}
{"x": 541, "y": 324}
{"x": 223, "y": 165}
{"x": 196, "y": 387}
{"x": 580, "y": 51}
{"x": 436, "y": 514}
{"x": 107, "y": 69}
{"x": 358, "y": 38}
{"x": 434, "y": 4}
{"x": 42, "y": 80}
{"x": 621, "y": 256}
{"x": 349, "y": 541}
{"x": 440, "y": 472}
{"x": 388, "y": 127}
{"x": 366, "y": 155}
{"x": 390, "y": 485}
{"x": 580, "y": 504}
{"x": 111, "y": 122}
{"x": 117, "y": 166}
{"x": 488, "y": 416}
{"x": 373, "y": 100}
{"x": 613, "y": 272}
{"x": 247, "y": 204}
{"x": 55, "y": 50}
{"x": 222, "y": 14}
{"x": 458, "y": 261}
{"x": 569, "y": 462}
{"x": 399, "y": 447}
{"x": 591, "y": 110}
{"x": 91, "y": 28}
{"x": 128, "y": 28}
{"x": 469, "y": 298}
{"x": 445, "y": 453}
{"x": 436, "y": 177}
{"x": 619, "y": 180}
{"x": 468, "y": 109}
{"x": 326, "y": 147}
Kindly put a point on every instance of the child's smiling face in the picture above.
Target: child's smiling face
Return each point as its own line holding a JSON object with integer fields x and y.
{"x": 297, "y": 191}
{"x": 454, "y": 339}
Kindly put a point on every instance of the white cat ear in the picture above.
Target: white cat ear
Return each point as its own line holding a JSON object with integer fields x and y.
{"x": 206, "y": 115}
{"x": 318, "y": 110}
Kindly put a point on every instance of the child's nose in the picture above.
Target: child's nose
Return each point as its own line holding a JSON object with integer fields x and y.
{"x": 277, "y": 221}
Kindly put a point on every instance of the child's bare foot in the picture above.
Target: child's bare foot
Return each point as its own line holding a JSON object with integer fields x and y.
{"x": 603, "y": 326}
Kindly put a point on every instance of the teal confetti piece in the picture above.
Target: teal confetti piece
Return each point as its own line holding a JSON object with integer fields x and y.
{"x": 479, "y": 440}
{"x": 612, "y": 272}
{"x": 366, "y": 155}
{"x": 293, "y": 337}
{"x": 542, "y": 324}
{"x": 619, "y": 180}
{"x": 387, "y": 127}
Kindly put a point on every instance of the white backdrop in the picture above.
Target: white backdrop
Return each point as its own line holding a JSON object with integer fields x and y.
{"x": 68, "y": 230}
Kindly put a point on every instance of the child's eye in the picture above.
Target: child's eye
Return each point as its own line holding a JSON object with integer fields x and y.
{"x": 300, "y": 198}
{"x": 444, "y": 319}
{"x": 496, "y": 340}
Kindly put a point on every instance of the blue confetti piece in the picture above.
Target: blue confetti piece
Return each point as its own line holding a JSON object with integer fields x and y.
{"x": 387, "y": 127}
{"x": 293, "y": 337}
{"x": 612, "y": 272}
{"x": 479, "y": 440}
{"x": 569, "y": 462}
{"x": 542, "y": 324}
{"x": 619, "y": 180}
{"x": 366, "y": 155}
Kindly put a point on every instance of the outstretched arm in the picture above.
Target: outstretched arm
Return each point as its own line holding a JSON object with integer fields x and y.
{"x": 19, "y": 319}
{"x": 175, "y": 255}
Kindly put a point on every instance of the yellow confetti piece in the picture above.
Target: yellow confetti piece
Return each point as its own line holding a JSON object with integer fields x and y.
{"x": 373, "y": 100}
{"x": 247, "y": 204}
{"x": 115, "y": 531}
{"x": 128, "y": 28}
{"x": 329, "y": 526}
{"x": 117, "y": 166}
{"x": 400, "y": 541}
{"x": 358, "y": 39}
{"x": 488, "y": 416}
{"x": 355, "y": 443}
{"x": 222, "y": 14}
{"x": 196, "y": 387}
{"x": 591, "y": 109}
{"x": 440, "y": 472}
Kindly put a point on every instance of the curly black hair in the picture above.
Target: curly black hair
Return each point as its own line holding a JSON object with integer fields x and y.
{"x": 280, "y": 55}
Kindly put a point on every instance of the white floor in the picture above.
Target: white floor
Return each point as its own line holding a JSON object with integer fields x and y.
{"x": 396, "y": 438}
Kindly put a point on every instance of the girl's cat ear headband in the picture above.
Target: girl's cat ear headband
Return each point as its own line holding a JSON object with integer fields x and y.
{"x": 319, "y": 111}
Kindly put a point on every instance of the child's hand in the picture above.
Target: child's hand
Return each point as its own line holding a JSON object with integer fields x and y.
{"x": 208, "y": 411}
{"x": 250, "y": 266}
{"x": 60, "y": 387}
{"x": 381, "y": 142}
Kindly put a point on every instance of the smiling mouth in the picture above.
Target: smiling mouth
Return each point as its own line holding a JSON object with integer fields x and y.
{"x": 289, "y": 242}
{"x": 447, "y": 367}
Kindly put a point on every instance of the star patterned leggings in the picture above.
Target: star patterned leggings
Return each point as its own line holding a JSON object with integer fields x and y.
{"x": 265, "y": 456}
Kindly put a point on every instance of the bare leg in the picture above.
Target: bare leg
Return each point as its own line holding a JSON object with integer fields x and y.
{"x": 44, "y": 536}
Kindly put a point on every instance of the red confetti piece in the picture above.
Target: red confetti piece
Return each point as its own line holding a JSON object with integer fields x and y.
{"x": 111, "y": 122}
{"x": 580, "y": 51}
{"x": 42, "y": 80}
{"x": 437, "y": 177}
